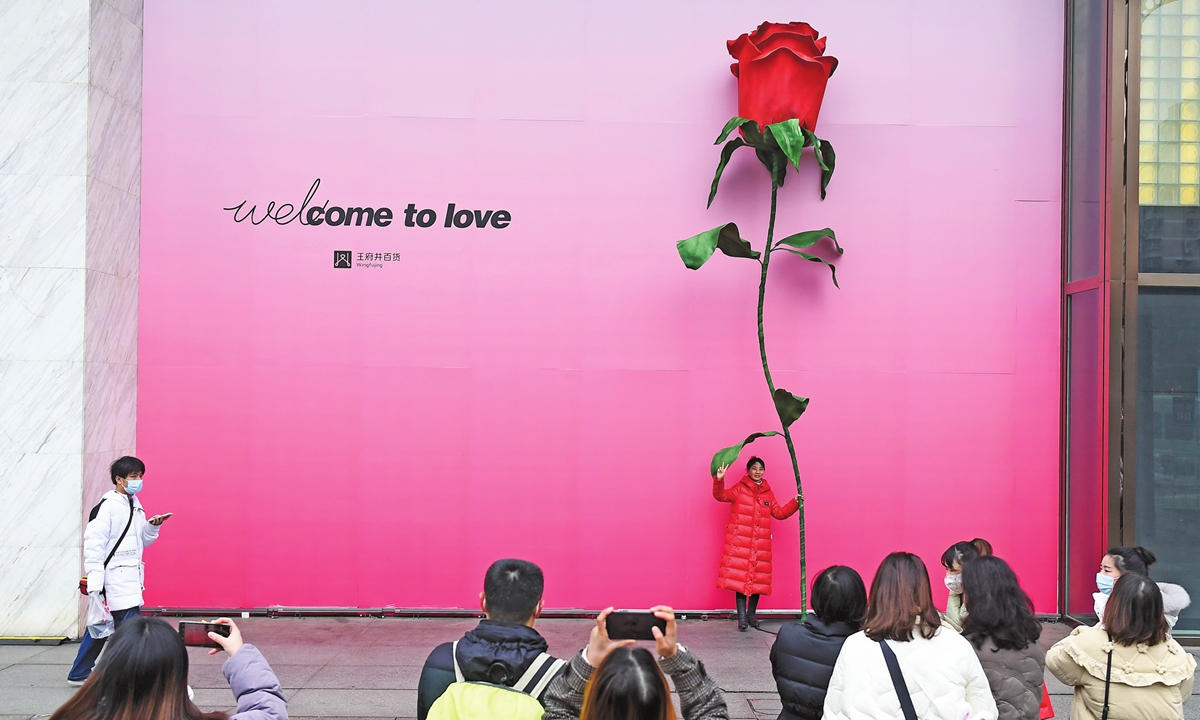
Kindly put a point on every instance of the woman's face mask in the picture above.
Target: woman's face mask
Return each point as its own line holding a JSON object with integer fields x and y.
{"x": 1104, "y": 583}
{"x": 954, "y": 583}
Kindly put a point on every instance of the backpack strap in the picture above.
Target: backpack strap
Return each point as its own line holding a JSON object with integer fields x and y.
{"x": 458, "y": 673}
{"x": 551, "y": 671}
{"x": 893, "y": 665}
{"x": 534, "y": 682}
{"x": 1107, "y": 679}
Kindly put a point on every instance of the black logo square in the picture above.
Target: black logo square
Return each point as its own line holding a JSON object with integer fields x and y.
{"x": 342, "y": 259}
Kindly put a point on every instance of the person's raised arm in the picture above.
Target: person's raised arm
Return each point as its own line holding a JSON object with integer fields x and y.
{"x": 699, "y": 696}
{"x": 719, "y": 491}
{"x": 251, "y": 679}
{"x": 563, "y": 700}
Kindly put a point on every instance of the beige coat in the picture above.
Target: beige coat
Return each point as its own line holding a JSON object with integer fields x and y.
{"x": 1148, "y": 683}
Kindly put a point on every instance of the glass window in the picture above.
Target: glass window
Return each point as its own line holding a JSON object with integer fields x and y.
{"x": 1169, "y": 143}
{"x": 1088, "y": 140}
{"x": 1168, "y": 447}
{"x": 1085, "y": 504}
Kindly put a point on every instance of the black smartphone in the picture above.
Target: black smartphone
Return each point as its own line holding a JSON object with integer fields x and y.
{"x": 195, "y": 634}
{"x": 633, "y": 625}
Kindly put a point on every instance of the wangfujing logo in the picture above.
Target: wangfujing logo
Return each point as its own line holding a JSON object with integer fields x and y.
{"x": 328, "y": 215}
{"x": 343, "y": 259}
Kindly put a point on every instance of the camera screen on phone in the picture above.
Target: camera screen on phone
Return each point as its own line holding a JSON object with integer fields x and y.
{"x": 195, "y": 634}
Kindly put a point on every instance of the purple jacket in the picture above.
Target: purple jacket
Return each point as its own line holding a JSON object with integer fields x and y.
{"x": 255, "y": 686}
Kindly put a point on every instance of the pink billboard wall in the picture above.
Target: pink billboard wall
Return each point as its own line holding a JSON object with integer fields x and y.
{"x": 553, "y": 389}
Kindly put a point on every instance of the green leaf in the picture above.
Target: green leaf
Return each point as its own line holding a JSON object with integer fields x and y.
{"x": 753, "y": 135}
{"x": 790, "y": 407}
{"x": 790, "y": 138}
{"x": 730, "y": 243}
{"x": 772, "y": 159}
{"x": 733, "y": 124}
{"x": 726, "y": 153}
{"x": 826, "y": 158}
{"x": 810, "y": 238}
{"x": 814, "y": 258}
{"x": 726, "y": 456}
{"x": 696, "y": 250}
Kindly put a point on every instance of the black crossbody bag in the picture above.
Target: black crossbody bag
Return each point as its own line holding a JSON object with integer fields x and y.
{"x": 893, "y": 665}
{"x": 83, "y": 588}
{"x": 1107, "y": 680}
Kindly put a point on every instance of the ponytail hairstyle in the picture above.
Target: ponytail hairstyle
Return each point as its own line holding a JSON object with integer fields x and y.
{"x": 141, "y": 676}
{"x": 628, "y": 685}
{"x": 983, "y": 547}
{"x": 960, "y": 553}
{"x": 1132, "y": 559}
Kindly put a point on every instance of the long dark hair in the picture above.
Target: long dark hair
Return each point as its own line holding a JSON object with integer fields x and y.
{"x": 1134, "y": 611}
{"x": 142, "y": 676}
{"x": 997, "y": 606}
{"x": 628, "y": 685}
{"x": 839, "y": 595}
{"x": 1132, "y": 559}
{"x": 901, "y": 600}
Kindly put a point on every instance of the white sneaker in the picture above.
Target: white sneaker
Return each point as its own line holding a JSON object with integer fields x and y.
{"x": 76, "y": 683}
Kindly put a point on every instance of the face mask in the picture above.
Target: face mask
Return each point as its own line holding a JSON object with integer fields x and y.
{"x": 133, "y": 486}
{"x": 954, "y": 583}
{"x": 1104, "y": 583}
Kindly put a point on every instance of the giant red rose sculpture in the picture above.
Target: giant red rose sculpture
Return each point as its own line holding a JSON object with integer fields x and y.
{"x": 782, "y": 70}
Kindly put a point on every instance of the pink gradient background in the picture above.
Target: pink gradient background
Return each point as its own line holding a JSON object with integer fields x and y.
{"x": 554, "y": 390}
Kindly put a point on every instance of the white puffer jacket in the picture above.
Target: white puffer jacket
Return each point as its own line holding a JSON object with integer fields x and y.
{"x": 122, "y": 582}
{"x": 943, "y": 676}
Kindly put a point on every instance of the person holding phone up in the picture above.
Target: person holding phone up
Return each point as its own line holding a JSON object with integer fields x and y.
{"x": 746, "y": 561}
{"x": 116, "y": 535}
{"x": 612, "y": 679}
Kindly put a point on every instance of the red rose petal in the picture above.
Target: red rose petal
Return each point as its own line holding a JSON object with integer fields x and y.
{"x": 765, "y": 30}
{"x": 802, "y": 45}
{"x": 782, "y": 85}
{"x": 741, "y": 45}
{"x": 734, "y": 69}
{"x": 821, "y": 45}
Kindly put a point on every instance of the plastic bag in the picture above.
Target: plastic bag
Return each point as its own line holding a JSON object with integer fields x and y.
{"x": 99, "y": 619}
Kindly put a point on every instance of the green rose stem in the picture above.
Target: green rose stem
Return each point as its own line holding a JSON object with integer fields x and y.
{"x": 762, "y": 350}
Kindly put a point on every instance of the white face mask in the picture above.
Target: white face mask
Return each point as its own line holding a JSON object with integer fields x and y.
{"x": 954, "y": 583}
{"x": 1104, "y": 583}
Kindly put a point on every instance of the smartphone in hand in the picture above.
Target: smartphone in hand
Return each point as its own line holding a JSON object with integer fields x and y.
{"x": 633, "y": 625}
{"x": 195, "y": 634}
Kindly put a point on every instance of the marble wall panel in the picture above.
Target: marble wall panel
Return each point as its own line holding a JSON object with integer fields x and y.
{"x": 41, "y": 408}
{"x": 43, "y": 129}
{"x": 109, "y": 407}
{"x": 41, "y": 314}
{"x": 111, "y": 326}
{"x": 40, "y": 593}
{"x": 113, "y": 223}
{"x": 131, "y": 10}
{"x": 114, "y": 141}
{"x": 115, "y": 63}
{"x": 42, "y": 481}
{"x": 43, "y": 223}
{"x": 50, "y": 41}
{"x": 70, "y": 180}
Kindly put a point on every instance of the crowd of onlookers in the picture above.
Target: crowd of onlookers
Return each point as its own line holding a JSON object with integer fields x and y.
{"x": 886, "y": 653}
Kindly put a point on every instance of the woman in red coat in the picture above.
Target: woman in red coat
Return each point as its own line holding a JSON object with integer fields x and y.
{"x": 746, "y": 562}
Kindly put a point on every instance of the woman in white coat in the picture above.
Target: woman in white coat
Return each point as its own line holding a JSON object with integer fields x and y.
{"x": 941, "y": 678}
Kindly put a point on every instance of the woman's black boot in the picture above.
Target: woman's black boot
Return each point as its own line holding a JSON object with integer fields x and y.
{"x": 750, "y": 618}
{"x": 741, "y": 610}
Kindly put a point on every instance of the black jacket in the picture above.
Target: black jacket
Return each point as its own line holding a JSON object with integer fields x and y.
{"x": 802, "y": 661}
{"x": 491, "y": 651}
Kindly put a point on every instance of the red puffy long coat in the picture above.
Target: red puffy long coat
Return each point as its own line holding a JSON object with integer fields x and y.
{"x": 746, "y": 562}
